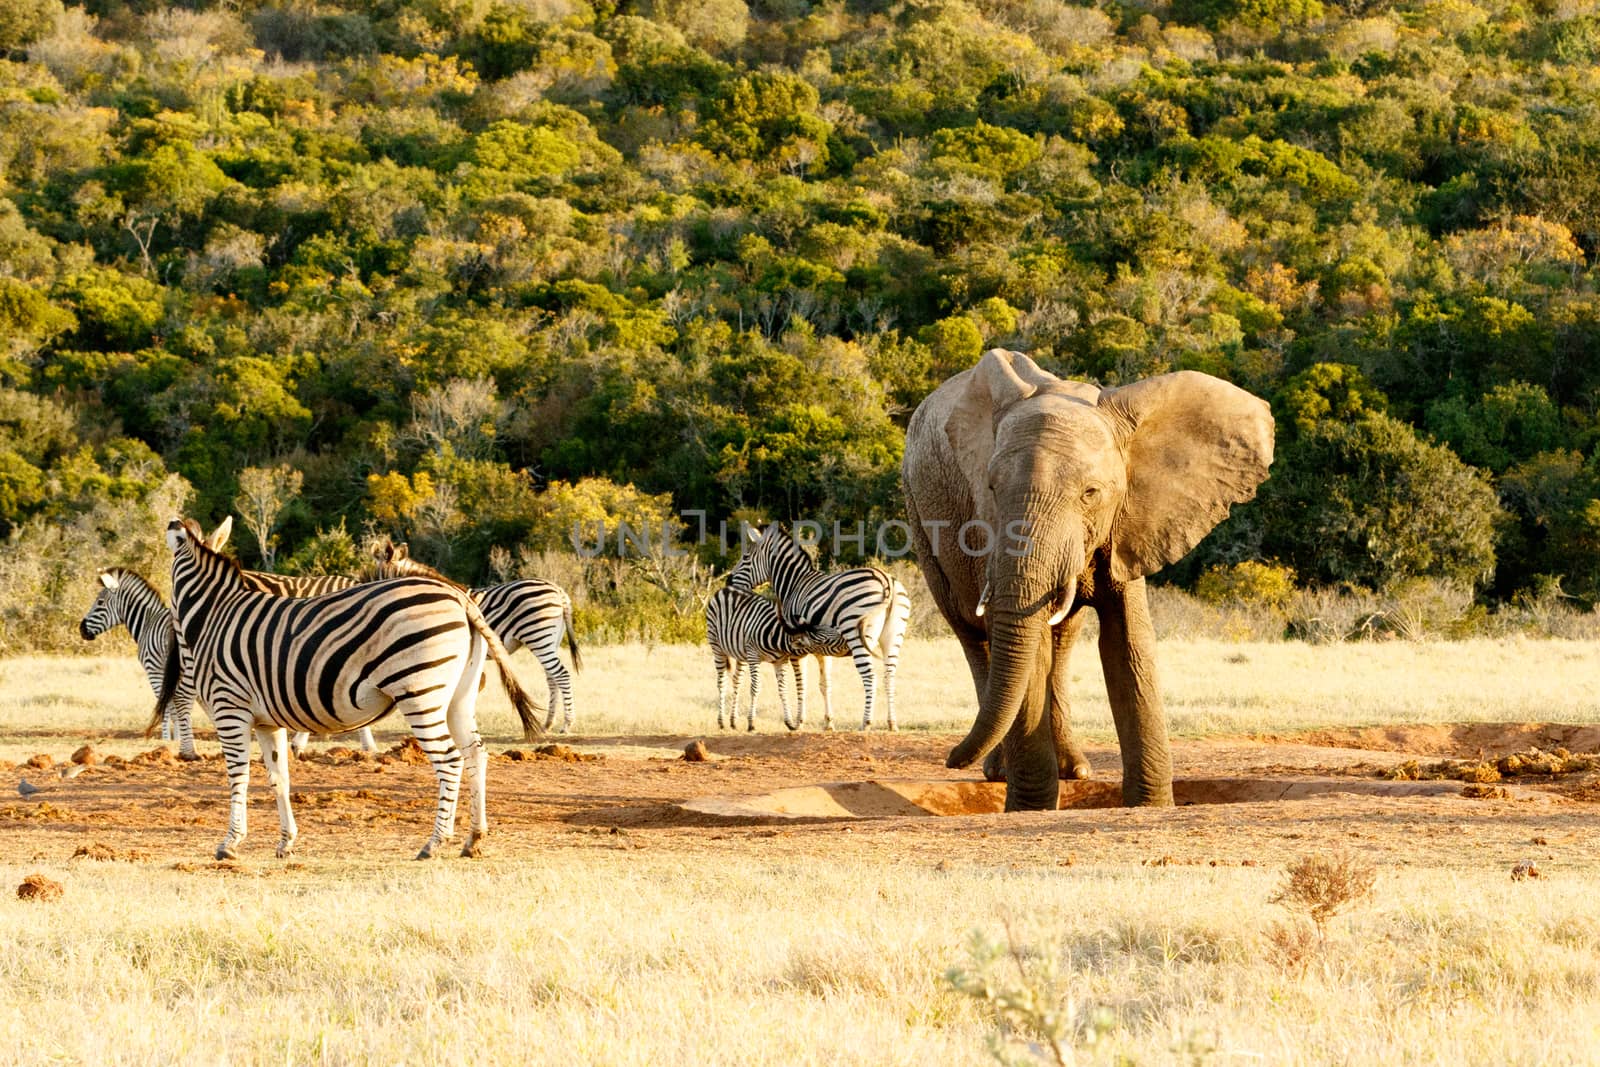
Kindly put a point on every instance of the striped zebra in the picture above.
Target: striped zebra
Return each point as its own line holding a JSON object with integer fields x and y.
{"x": 528, "y": 613}
{"x": 333, "y": 663}
{"x": 865, "y": 606}
{"x": 744, "y": 631}
{"x": 276, "y": 585}
{"x": 126, "y": 598}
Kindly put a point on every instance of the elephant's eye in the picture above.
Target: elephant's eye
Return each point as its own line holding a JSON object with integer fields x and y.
{"x": 1091, "y": 494}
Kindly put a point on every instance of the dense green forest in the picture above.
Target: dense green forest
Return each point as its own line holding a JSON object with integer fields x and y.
{"x": 469, "y": 270}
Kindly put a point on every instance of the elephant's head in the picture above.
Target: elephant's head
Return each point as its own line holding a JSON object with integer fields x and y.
{"x": 1133, "y": 477}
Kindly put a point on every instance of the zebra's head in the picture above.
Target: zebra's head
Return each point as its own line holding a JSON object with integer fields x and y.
{"x": 754, "y": 568}
{"x": 106, "y": 611}
{"x": 197, "y": 563}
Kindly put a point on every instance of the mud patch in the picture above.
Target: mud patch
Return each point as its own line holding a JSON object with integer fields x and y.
{"x": 38, "y": 887}
{"x": 106, "y": 854}
{"x": 891, "y": 798}
{"x": 1461, "y": 740}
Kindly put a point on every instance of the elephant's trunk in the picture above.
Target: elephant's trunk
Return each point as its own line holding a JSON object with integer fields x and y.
{"x": 1026, "y": 594}
{"x": 1013, "y": 648}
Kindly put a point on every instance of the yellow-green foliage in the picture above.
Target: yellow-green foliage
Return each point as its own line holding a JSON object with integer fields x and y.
{"x": 1251, "y": 582}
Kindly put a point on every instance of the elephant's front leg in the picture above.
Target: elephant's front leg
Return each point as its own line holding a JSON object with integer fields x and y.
{"x": 1128, "y": 656}
{"x": 1073, "y": 763}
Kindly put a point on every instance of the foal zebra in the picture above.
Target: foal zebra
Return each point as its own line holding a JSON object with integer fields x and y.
{"x": 127, "y": 599}
{"x": 864, "y": 606}
{"x": 744, "y": 631}
{"x": 334, "y": 663}
{"x": 528, "y": 613}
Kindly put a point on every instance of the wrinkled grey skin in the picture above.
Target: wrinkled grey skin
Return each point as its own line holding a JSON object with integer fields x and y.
{"x": 1112, "y": 485}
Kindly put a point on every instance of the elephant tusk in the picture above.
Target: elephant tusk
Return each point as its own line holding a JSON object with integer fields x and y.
{"x": 983, "y": 601}
{"x": 1065, "y": 605}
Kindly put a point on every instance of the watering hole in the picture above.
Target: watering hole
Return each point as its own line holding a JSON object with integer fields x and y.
{"x": 890, "y": 798}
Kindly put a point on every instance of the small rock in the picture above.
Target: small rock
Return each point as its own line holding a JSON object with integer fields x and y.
{"x": 86, "y": 756}
{"x": 695, "y": 752}
{"x": 41, "y": 762}
{"x": 38, "y": 887}
{"x": 1541, "y": 840}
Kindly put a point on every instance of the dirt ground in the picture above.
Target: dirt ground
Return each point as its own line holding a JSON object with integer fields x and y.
{"x": 626, "y": 793}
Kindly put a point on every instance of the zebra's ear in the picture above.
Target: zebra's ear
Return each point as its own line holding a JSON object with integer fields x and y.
{"x": 109, "y": 580}
{"x": 219, "y": 536}
{"x": 194, "y": 530}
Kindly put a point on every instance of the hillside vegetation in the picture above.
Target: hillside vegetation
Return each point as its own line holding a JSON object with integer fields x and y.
{"x": 471, "y": 271}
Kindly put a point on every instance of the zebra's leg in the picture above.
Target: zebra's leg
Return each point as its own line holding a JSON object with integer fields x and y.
{"x": 755, "y": 692}
{"x": 560, "y": 682}
{"x": 890, "y": 640}
{"x": 827, "y": 694}
{"x": 799, "y": 694}
{"x": 722, "y": 688}
{"x": 181, "y": 714}
{"x": 427, "y": 719}
{"x": 298, "y": 744}
{"x": 233, "y": 730}
{"x": 274, "y": 742}
{"x": 365, "y": 736}
{"x": 866, "y": 666}
{"x": 778, "y": 669}
{"x": 462, "y": 720}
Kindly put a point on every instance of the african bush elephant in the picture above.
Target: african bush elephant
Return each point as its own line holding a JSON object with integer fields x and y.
{"x": 1031, "y": 498}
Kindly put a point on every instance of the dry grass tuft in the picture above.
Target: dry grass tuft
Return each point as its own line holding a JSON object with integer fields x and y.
{"x": 1320, "y": 887}
{"x": 38, "y": 887}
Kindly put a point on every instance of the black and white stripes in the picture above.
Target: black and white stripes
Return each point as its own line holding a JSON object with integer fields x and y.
{"x": 128, "y": 599}
{"x": 744, "y": 631}
{"x": 529, "y": 613}
{"x": 266, "y": 664}
{"x": 864, "y": 606}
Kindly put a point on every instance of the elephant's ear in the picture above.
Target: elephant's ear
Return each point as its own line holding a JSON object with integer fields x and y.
{"x": 219, "y": 536}
{"x": 997, "y": 381}
{"x": 1196, "y": 446}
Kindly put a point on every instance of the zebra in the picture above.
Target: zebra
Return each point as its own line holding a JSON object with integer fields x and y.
{"x": 528, "y": 613}
{"x": 126, "y": 598}
{"x": 277, "y": 585}
{"x": 864, "y": 606}
{"x": 333, "y": 663}
{"x": 744, "y": 631}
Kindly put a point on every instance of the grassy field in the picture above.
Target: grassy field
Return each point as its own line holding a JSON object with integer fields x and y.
{"x": 1210, "y": 688}
{"x": 753, "y": 946}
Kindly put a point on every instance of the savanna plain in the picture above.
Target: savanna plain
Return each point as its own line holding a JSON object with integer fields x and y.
{"x": 609, "y": 923}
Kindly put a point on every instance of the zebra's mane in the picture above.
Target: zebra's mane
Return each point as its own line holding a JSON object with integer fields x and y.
{"x": 777, "y": 535}
{"x": 407, "y": 567}
{"x": 123, "y": 574}
{"x": 206, "y": 550}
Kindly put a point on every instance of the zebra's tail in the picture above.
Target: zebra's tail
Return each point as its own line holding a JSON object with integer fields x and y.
{"x": 170, "y": 671}
{"x": 572, "y": 637}
{"x": 528, "y": 709}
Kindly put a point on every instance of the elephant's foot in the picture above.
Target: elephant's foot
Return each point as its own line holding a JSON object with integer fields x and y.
{"x": 1076, "y": 771}
{"x": 994, "y": 766}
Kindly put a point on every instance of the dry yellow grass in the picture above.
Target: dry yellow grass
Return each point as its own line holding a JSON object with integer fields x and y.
{"x": 630, "y": 958}
{"x": 578, "y": 952}
{"x": 1210, "y": 688}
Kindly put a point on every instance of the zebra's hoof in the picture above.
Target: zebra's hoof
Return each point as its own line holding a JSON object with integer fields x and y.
{"x": 751, "y": 728}
{"x": 427, "y": 852}
{"x": 226, "y": 851}
{"x": 285, "y": 849}
{"x": 473, "y": 849}
{"x": 189, "y": 757}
